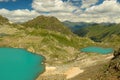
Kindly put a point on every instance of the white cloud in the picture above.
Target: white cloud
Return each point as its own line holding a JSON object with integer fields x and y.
{"x": 52, "y": 6}
{"x": 88, "y": 3}
{"x": 108, "y": 11}
{"x": 107, "y": 7}
{"x": 19, "y": 15}
{"x": 93, "y": 13}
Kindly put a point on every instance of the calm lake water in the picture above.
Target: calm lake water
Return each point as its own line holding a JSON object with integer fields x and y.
{"x": 99, "y": 50}
{"x": 19, "y": 64}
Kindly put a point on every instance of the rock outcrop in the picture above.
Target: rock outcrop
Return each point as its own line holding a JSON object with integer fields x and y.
{"x": 112, "y": 72}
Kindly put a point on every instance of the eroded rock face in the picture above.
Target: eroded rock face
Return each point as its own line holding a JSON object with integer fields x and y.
{"x": 112, "y": 72}
{"x": 115, "y": 62}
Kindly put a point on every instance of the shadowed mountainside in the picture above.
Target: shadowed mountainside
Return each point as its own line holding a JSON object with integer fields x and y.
{"x": 101, "y": 32}
{"x": 107, "y": 34}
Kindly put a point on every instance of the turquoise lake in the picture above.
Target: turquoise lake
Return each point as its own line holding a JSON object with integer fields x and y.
{"x": 100, "y": 50}
{"x": 19, "y": 64}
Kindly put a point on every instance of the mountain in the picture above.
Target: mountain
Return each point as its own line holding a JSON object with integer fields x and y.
{"x": 3, "y": 20}
{"x": 76, "y": 25}
{"x": 112, "y": 70}
{"x": 107, "y": 33}
{"x": 60, "y": 48}
{"x": 47, "y": 22}
{"x": 99, "y": 32}
{"x": 55, "y": 46}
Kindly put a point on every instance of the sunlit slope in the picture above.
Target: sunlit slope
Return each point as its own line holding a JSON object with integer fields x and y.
{"x": 47, "y": 22}
{"x": 57, "y": 47}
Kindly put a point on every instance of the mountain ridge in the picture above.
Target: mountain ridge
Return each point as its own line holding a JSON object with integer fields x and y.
{"x": 95, "y": 31}
{"x": 47, "y": 22}
{"x": 57, "y": 47}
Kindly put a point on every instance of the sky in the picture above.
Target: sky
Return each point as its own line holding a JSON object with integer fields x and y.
{"x": 71, "y": 10}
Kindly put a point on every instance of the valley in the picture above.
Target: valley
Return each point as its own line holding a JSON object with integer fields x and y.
{"x": 47, "y": 36}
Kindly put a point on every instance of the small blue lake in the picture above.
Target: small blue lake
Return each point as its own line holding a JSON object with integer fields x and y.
{"x": 19, "y": 64}
{"x": 100, "y": 50}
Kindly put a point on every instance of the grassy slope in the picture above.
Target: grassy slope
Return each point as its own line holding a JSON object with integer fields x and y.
{"x": 100, "y": 32}
{"x": 47, "y": 22}
{"x": 76, "y": 25}
{"x": 3, "y": 20}
{"x": 56, "y": 46}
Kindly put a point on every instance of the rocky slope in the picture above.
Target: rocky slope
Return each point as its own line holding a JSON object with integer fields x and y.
{"x": 57, "y": 44}
{"x": 3, "y": 20}
{"x": 57, "y": 47}
{"x": 112, "y": 70}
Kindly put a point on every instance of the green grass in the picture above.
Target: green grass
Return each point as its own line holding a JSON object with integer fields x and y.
{"x": 3, "y": 20}
{"x": 100, "y": 32}
{"x": 57, "y": 43}
{"x": 47, "y": 22}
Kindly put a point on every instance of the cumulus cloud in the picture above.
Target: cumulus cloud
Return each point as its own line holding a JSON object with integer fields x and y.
{"x": 52, "y": 6}
{"x": 88, "y": 3}
{"x": 92, "y": 13}
{"x": 19, "y": 15}
{"x": 106, "y": 7}
{"x": 108, "y": 11}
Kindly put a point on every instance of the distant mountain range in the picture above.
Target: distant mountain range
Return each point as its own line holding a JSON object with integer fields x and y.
{"x": 76, "y": 25}
{"x": 95, "y": 31}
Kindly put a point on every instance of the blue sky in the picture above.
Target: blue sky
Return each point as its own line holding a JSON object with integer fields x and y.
{"x": 72, "y": 10}
{"x": 19, "y": 4}
{"x": 26, "y": 4}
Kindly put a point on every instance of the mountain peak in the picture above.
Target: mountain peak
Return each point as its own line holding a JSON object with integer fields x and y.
{"x": 42, "y": 16}
{"x": 49, "y": 23}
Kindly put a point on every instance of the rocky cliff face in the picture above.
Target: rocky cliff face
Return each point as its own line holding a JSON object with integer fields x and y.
{"x": 112, "y": 72}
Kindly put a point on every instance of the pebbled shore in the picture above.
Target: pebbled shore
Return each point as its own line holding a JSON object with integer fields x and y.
{"x": 80, "y": 69}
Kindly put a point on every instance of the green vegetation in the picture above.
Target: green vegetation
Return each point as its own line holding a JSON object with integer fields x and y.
{"x": 99, "y": 32}
{"x": 57, "y": 46}
{"x": 108, "y": 34}
{"x": 49, "y": 37}
{"x": 3, "y": 20}
{"x": 47, "y": 22}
